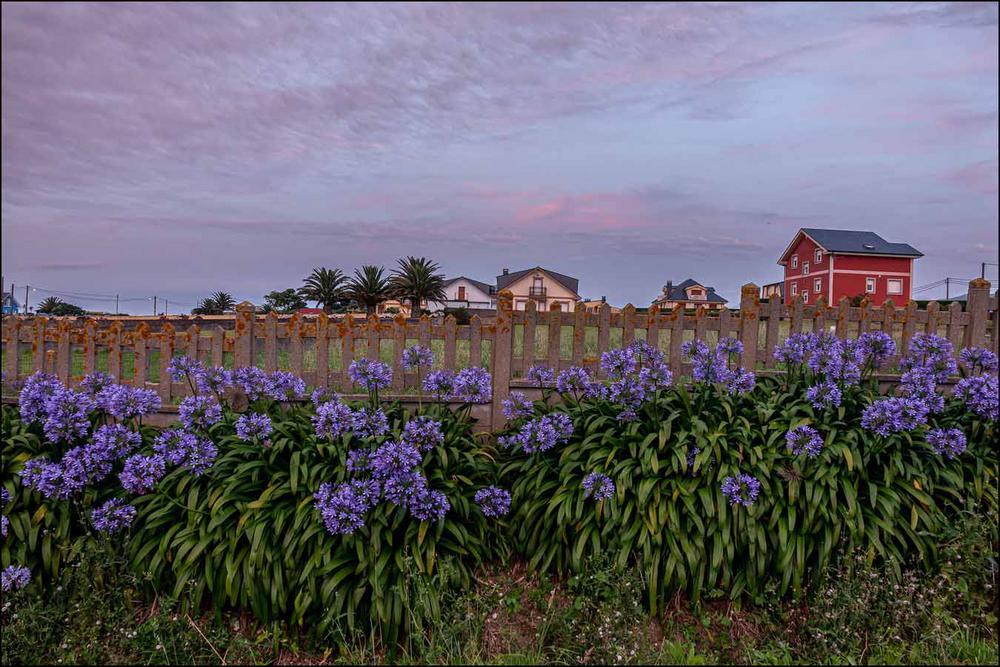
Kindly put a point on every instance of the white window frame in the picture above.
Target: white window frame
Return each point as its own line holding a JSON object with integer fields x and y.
{"x": 819, "y": 256}
{"x": 805, "y": 296}
{"x": 805, "y": 268}
{"x": 795, "y": 261}
{"x": 874, "y": 285}
{"x": 894, "y": 281}
{"x": 818, "y": 285}
{"x": 795, "y": 289}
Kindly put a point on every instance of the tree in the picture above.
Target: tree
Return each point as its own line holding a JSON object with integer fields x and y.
{"x": 327, "y": 287}
{"x": 55, "y": 306}
{"x": 369, "y": 287}
{"x": 217, "y": 304}
{"x": 417, "y": 279}
{"x": 283, "y": 301}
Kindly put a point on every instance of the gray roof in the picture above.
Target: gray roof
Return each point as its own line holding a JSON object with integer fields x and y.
{"x": 486, "y": 287}
{"x": 569, "y": 283}
{"x": 856, "y": 242}
{"x": 677, "y": 293}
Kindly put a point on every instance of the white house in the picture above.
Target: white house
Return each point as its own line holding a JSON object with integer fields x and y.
{"x": 548, "y": 289}
{"x": 462, "y": 292}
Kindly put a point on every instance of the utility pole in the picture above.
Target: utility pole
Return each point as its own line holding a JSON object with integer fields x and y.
{"x": 166, "y": 306}
{"x": 26, "y": 299}
{"x": 116, "y": 304}
{"x": 947, "y": 284}
{"x": 154, "y": 305}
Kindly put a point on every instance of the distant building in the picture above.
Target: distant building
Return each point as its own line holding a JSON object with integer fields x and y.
{"x": 548, "y": 289}
{"x": 835, "y": 263}
{"x": 776, "y": 290}
{"x": 594, "y": 306}
{"x": 689, "y": 294}
{"x": 10, "y": 304}
{"x": 463, "y": 292}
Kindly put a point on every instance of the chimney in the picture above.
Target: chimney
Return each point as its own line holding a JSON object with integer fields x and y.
{"x": 604, "y": 299}
{"x": 669, "y": 286}
{"x": 506, "y": 271}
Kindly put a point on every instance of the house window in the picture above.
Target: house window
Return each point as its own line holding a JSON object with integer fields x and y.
{"x": 819, "y": 256}
{"x": 795, "y": 289}
{"x": 461, "y": 293}
{"x": 805, "y": 268}
{"x": 795, "y": 261}
{"x": 869, "y": 285}
{"x": 894, "y": 285}
{"x": 805, "y": 296}
{"x": 817, "y": 285}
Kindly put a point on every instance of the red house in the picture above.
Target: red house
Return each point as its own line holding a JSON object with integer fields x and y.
{"x": 835, "y": 263}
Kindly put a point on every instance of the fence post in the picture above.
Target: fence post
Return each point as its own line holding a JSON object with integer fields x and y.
{"x": 501, "y": 354}
{"x": 979, "y": 313}
{"x": 12, "y": 336}
{"x": 244, "y": 343}
{"x": 749, "y": 324}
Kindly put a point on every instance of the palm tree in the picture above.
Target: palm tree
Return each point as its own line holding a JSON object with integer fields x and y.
{"x": 49, "y": 305}
{"x": 417, "y": 280}
{"x": 326, "y": 287}
{"x": 369, "y": 287}
{"x": 217, "y": 304}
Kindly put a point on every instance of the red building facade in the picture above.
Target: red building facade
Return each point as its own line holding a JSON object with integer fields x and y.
{"x": 835, "y": 263}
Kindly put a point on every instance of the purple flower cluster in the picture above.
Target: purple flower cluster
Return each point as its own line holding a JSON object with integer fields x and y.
{"x": 619, "y": 363}
{"x": 949, "y": 443}
{"x": 835, "y": 359}
{"x": 141, "y": 473}
{"x": 4, "y": 521}
{"x": 372, "y": 375}
{"x": 978, "y": 360}
{"x": 893, "y": 415}
{"x": 473, "y": 385}
{"x": 113, "y": 516}
{"x": 284, "y": 386}
{"x": 126, "y": 402}
{"x": 323, "y": 395}
{"x": 428, "y": 504}
{"x": 824, "y": 395}
{"x": 173, "y": 446}
{"x": 875, "y": 348}
{"x": 804, "y": 439}
{"x": 715, "y": 366}
{"x": 37, "y": 389}
{"x": 357, "y": 460}
{"x": 980, "y": 395}
{"x": 393, "y": 459}
{"x": 741, "y": 489}
{"x": 198, "y": 412}
{"x": 343, "y": 506}
{"x": 540, "y": 434}
{"x": 214, "y": 381}
{"x": 494, "y": 501}
{"x": 794, "y": 350}
{"x": 416, "y": 357}
{"x": 368, "y": 422}
{"x": 423, "y": 433}
{"x": 540, "y": 376}
{"x": 66, "y": 415}
{"x": 517, "y": 406}
{"x": 332, "y": 420}
{"x": 116, "y": 440}
{"x": 576, "y": 382}
{"x": 80, "y": 465}
{"x": 14, "y": 577}
{"x": 934, "y": 354}
{"x": 93, "y": 383}
{"x": 182, "y": 368}
{"x": 598, "y": 485}
{"x": 252, "y": 381}
{"x": 253, "y": 427}
{"x": 439, "y": 383}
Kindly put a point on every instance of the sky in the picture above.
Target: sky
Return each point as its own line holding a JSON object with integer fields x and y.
{"x": 179, "y": 149}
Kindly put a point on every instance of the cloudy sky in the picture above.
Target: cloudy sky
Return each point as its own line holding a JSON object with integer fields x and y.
{"x": 180, "y": 149}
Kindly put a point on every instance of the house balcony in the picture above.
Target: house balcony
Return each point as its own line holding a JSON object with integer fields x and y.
{"x": 538, "y": 293}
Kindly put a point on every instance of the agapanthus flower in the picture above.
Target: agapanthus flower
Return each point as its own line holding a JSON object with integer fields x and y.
{"x": 198, "y": 412}
{"x": 357, "y": 460}
{"x": 118, "y": 440}
{"x": 253, "y": 381}
{"x": 827, "y": 356}
{"x": 980, "y": 395}
{"x": 741, "y": 489}
{"x": 342, "y": 507}
{"x": 795, "y": 349}
{"x": 473, "y": 385}
{"x": 423, "y": 432}
{"x": 920, "y": 384}
{"x": 372, "y": 375}
{"x": 875, "y": 348}
{"x": 933, "y": 353}
{"x": 619, "y": 363}
{"x": 184, "y": 369}
{"x": 729, "y": 346}
{"x": 214, "y": 380}
{"x": 14, "y": 577}
{"x": 893, "y": 415}
{"x": 428, "y": 504}
{"x": 393, "y": 458}
{"x": 544, "y": 433}
{"x": 37, "y": 389}
{"x": 43, "y": 476}
{"x": 655, "y": 376}
{"x": 125, "y": 402}
{"x": 93, "y": 383}
{"x": 493, "y": 501}
{"x": 201, "y": 456}
{"x": 113, "y": 516}
{"x": 367, "y": 422}
{"x": 705, "y": 365}
{"x": 253, "y": 427}
{"x": 741, "y": 381}
{"x": 949, "y": 443}
{"x": 598, "y": 485}
{"x": 402, "y": 488}
{"x": 173, "y": 445}
{"x": 824, "y": 395}
{"x": 323, "y": 395}
{"x": 284, "y": 386}
{"x": 540, "y": 376}
{"x": 439, "y": 383}
{"x": 4, "y": 525}
{"x": 66, "y": 415}
{"x": 804, "y": 439}
{"x": 645, "y": 353}
{"x": 332, "y": 420}
{"x": 978, "y": 360}
{"x": 416, "y": 357}
{"x": 4, "y": 497}
{"x": 517, "y": 405}
{"x": 628, "y": 391}
{"x": 141, "y": 473}
{"x": 575, "y": 381}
